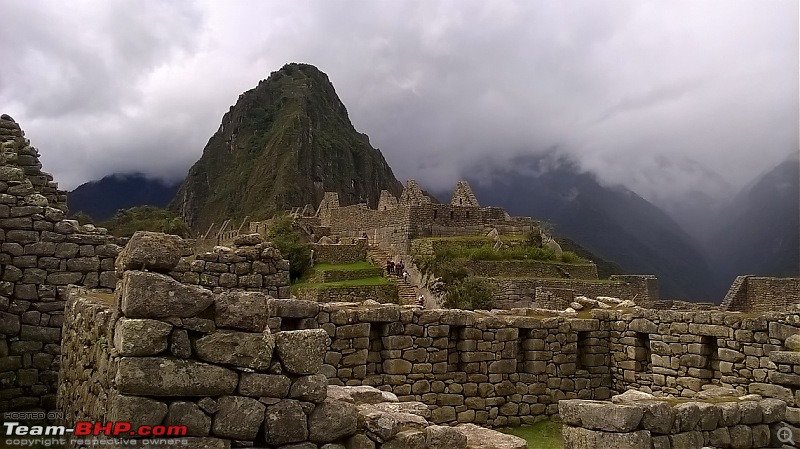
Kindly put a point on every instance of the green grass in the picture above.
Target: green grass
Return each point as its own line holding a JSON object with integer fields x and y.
{"x": 376, "y": 280}
{"x": 542, "y": 435}
{"x": 346, "y": 267}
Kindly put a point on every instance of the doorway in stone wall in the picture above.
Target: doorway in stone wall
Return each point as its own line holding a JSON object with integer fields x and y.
{"x": 710, "y": 349}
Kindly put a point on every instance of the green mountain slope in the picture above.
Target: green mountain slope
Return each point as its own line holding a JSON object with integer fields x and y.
{"x": 282, "y": 145}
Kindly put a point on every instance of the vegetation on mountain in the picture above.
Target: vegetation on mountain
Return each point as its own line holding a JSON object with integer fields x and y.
{"x": 282, "y": 145}
{"x": 145, "y": 218}
{"x": 103, "y": 198}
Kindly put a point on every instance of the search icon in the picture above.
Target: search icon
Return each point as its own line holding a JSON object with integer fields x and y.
{"x": 785, "y": 435}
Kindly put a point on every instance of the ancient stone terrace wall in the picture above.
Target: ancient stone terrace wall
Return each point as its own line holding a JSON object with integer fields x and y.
{"x": 532, "y": 268}
{"x": 762, "y": 294}
{"x": 341, "y": 253}
{"x": 40, "y": 254}
{"x": 378, "y": 293}
{"x": 250, "y": 265}
{"x": 555, "y": 293}
{"x": 652, "y": 423}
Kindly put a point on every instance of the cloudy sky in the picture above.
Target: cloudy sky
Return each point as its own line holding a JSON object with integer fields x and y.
{"x": 661, "y": 96}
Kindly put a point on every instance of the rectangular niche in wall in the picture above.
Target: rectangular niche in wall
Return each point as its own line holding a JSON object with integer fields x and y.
{"x": 642, "y": 354}
{"x": 710, "y": 349}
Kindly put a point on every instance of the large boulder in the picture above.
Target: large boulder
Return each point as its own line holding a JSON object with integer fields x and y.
{"x": 154, "y": 295}
{"x": 331, "y": 421}
{"x": 242, "y": 310}
{"x": 152, "y": 251}
{"x": 598, "y": 415}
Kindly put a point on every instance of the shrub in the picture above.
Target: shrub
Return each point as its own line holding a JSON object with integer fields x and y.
{"x": 145, "y": 218}
{"x": 289, "y": 241}
{"x": 470, "y": 294}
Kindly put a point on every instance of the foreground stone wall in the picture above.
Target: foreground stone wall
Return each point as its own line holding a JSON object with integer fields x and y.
{"x": 762, "y": 294}
{"x": 171, "y": 354}
{"x": 40, "y": 254}
{"x": 657, "y": 423}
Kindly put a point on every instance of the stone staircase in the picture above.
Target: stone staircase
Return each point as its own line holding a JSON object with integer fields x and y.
{"x": 406, "y": 292}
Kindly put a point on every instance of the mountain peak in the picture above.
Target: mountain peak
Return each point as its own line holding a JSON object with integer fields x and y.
{"x": 283, "y": 145}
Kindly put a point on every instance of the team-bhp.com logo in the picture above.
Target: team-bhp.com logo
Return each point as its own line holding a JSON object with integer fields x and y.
{"x": 116, "y": 433}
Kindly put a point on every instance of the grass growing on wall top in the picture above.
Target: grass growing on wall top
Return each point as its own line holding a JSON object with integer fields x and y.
{"x": 355, "y": 266}
{"x": 376, "y": 280}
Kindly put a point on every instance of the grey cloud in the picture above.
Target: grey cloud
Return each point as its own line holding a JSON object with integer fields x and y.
{"x": 438, "y": 86}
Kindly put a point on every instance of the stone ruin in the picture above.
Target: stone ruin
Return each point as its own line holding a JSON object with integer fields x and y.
{"x": 164, "y": 352}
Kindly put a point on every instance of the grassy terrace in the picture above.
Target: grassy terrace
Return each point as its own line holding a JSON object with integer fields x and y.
{"x": 481, "y": 248}
{"x": 346, "y": 267}
{"x": 369, "y": 280}
{"x": 376, "y": 280}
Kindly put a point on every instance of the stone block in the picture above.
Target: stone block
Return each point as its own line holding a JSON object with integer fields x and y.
{"x": 244, "y": 349}
{"x": 782, "y": 331}
{"x": 157, "y": 376}
{"x": 294, "y": 308}
{"x": 188, "y": 414}
{"x": 238, "y": 418}
{"x": 311, "y": 388}
{"x": 137, "y": 410}
{"x": 445, "y": 437}
{"x": 302, "y": 351}
{"x": 242, "y": 310}
{"x": 331, "y": 421}
{"x": 152, "y": 251}
{"x": 261, "y": 385}
{"x": 154, "y": 295}
{"x": 598, "y": 415}
{"x": 141, "y": 337}
{"x": 578, "y": 437}
{"x": 687, "y": 417}
{"x": 285, "y": 422}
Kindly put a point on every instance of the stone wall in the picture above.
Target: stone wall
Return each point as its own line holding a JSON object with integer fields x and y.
{"x": 553, "y": 293}
{"x": 341, "y": 253}
{"x": 650, "y": 422}
{"x": 208, "y": 366}
{"x": 357, "y": 293}
{"x": 762, "y": 294}
{"x": 250, "y": 265}
{"x": 40, "y": 254}
{"x": 532, "y": 269}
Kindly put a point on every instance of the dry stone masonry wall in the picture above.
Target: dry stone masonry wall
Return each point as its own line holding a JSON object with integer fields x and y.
{"x": 167, "y": 353}
{"x": 40, "y": 254}
{"x": 643, "y": 421}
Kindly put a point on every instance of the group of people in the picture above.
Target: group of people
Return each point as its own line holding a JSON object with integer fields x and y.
{"x": 397, "y": 269}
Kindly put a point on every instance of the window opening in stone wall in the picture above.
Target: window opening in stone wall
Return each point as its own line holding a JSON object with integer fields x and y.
{"x": 435, "y": 213}
{"x": 467, "y": 214}
{"x": 460, "y": 201}
{"x": 583, "y": 338}
{"x": 452, "y": 215}
{"x": 374, "y": 356}
{"x": 642, "y": 353}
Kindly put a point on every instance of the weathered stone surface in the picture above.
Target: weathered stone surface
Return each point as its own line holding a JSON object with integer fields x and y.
{"x": 599, "y": 415}
{"x": 156, "y": 376}
{"x": 302, "y": 352}
{"x": 378, "y": 425}
{"x": 264, "y": 385}
{"x": 294, "y": 308}
{"x": 483, "y": 438}
{"x": 242, "y": 310}
{"x": 179, "y": 344}
{"x": 657, "y": 416}
{"x": 332, "y": 420}
{"x": 687, "y": 416}
{"x": 792, "y": 342}
{"x": 285, "y": 422}
{"x": 153, "y": 295}
{"x": 141, "y": 337}
{"x": 407, "y": 440}
{"x": 207, "y": 443}
{"x": 630, "y": 396}
{"x": 152, "y": 251}
{"x": 246, "y": 349}
{"x": 445, "y": 437}
{"x": 578, "y": 437}
{"x": 137, "y": 410}
{"x": 361, "y": 441}
{"x": 238, "y": 418}
{"x": 189, "y": 414}
{"x": 311, "y": 388}
{"x": 248, "y": 240}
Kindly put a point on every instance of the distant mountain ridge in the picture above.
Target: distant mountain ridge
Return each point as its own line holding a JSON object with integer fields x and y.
{"x": 101, "y": 199}
{"x": 612, "y": 222}
{"x": 282, "y": 145}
